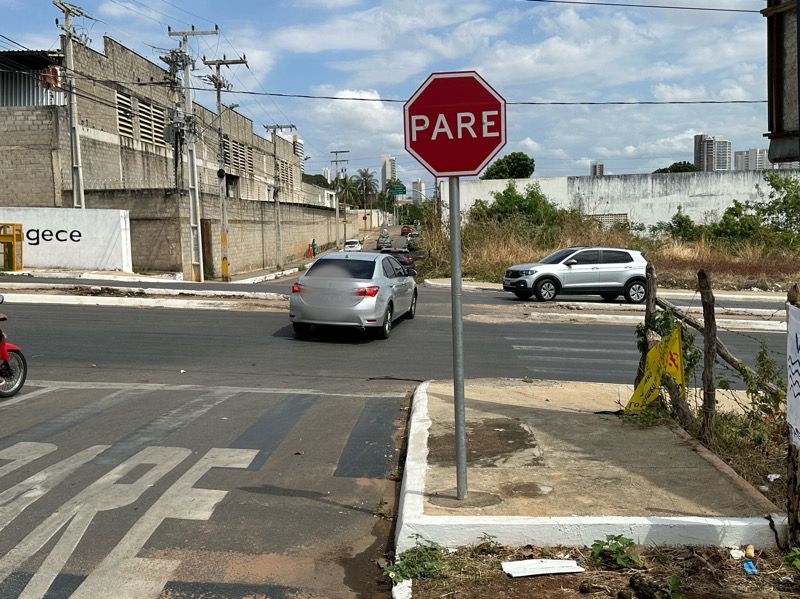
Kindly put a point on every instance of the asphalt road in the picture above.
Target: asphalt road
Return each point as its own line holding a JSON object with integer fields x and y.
{"x": 78, "y": 343}
{"x": 178, "y": 453}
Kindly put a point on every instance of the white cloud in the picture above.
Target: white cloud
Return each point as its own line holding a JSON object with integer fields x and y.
{"x": 529, "y": 145}
{"x": 353, "y": 31}
{"x": 328, "y": 4}
{"x": 672, "y": 93}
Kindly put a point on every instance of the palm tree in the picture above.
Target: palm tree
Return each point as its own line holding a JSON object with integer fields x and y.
{"x": 347, "y": 188}
{"x": 367, "y": 184}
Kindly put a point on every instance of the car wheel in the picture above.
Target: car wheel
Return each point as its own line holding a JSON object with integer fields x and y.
{"x": 546, "y": 290}
{"x": 386, "y": 327}
{"x": 609, "y": 296}
{"x": 301, "y": 329}
{"x": 524, "y": 295}
{"x": 635, "y": 292}
{"x": 412, "y": 311}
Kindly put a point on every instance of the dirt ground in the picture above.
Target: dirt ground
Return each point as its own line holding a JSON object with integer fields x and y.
{"x": 707, "y": 573}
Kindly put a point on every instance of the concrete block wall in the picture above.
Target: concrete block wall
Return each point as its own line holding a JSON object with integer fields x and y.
{"x": 251, "y": 243}
{"x": 155, "y": 215}
{"x": 29, "y": 156}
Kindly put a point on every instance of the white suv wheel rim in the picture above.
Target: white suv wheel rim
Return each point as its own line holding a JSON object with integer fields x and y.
{"x": 637, "y": 292}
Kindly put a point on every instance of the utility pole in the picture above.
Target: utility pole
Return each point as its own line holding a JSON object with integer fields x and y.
{"x": 218, "y": 82}
{"x": 337, "y": 161}
{"x": 190, "y": 128}
{"x": 75, "y": 143}
{"x": 276, "y": 188}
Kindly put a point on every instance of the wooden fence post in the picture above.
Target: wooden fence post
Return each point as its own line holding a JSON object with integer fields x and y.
{"x": 709, "y": 354}
{"x": 793, "y": 462}
{"x": 649, "y": 312}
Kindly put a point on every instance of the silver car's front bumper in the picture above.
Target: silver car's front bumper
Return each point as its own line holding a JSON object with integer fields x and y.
{"x": 517, "y": 284}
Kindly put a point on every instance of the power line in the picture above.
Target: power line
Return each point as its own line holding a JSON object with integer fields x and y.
{"x": 657, "y": 6}
{"x": 521, "y": 103}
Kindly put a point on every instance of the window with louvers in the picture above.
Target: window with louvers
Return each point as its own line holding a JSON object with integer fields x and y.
{"x": 151, "y": 124}
{"x": 226, "y": 148}
{"x": 249, "y": 166}
{"x": 124, "y": 115}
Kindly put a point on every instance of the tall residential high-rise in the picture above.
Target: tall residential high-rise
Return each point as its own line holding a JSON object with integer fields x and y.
{"x": 712, "y": 153}
{"x": 596, "y": 168}
{"x": 751, "y": 160}
{"x": 418, "y": 191}
{"x": 388, "y": 169}
{"x": 326, "y": 172}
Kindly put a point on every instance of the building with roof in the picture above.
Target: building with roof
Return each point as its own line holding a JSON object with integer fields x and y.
{"x": 132, "y": 134}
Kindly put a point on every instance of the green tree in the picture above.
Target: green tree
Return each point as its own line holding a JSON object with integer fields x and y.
{"x": 347, "y": 190}
{"x": 740, "y": 222}
{"x": 367, "y": 184}
{"x": 318, "y": 180}
{"x": 680, "y": 226}
{"x": 516, "y": 165}
{"x": 679, "y": 167}
{"x": 532, "y": 205}
{"x": 782, "y": 211}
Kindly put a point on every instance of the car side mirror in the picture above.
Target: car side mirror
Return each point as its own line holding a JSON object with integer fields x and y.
{"x": 571, "y": 262}
{"x": 411, "y": 272}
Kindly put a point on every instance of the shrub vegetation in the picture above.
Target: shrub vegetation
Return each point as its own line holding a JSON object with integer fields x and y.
{"x": 752, "y": 244}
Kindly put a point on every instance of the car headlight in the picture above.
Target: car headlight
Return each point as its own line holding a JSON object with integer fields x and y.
{"x": 527, "y": 273}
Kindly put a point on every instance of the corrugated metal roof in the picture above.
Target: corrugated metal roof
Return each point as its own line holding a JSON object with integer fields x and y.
{"x": 31, "y": 59}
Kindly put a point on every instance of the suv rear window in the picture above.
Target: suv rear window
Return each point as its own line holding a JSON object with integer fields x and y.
{"x": 342, "y": 269}
{"x": 616, "y": 257}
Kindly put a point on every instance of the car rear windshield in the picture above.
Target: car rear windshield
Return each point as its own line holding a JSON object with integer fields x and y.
{"x": 341, "y": 268}
{"x": 558, "y": 256}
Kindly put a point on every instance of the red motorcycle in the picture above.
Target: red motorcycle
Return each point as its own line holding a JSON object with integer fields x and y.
{"x": 13, "y": 367}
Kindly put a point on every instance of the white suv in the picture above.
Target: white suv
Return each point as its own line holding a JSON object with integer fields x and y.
{"x": 607, "y": 272}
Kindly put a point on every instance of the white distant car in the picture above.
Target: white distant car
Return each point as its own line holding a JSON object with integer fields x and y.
{"x": 352, "y": 245}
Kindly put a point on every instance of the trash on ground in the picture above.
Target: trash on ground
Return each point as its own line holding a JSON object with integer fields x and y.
{"x": 749, "y": 568}
{"x": 773, "y": 477}
{"x": 737, "y": 554}
{"x": 535, "y": 567}
{"x": 749, "y": 552}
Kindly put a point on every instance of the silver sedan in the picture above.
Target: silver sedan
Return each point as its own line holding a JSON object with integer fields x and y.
{"x": 360, "y": 290}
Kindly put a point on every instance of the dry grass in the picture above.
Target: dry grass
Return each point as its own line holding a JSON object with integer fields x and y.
{"x": 707, "y": 572}
{"x": 488, "y": 249}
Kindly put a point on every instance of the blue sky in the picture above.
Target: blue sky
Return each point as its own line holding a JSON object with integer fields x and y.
{"x": 528, "y": 51}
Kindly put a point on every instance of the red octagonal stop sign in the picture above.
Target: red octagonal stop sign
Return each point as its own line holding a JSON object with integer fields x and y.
{"x": 455, "y": 123}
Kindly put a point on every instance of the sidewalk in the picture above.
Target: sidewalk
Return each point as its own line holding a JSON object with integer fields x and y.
{"x": 547, "y": 467}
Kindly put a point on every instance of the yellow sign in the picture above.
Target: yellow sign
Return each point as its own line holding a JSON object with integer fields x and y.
{"x": 664, "y": 358}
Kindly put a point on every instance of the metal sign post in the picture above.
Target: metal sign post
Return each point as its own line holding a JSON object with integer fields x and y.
{"x": 455, "y": 123}
{"x": 458, "y": 339}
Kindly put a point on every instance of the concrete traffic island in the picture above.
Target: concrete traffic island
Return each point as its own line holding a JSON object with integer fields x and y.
{"x": 545, "y": 468}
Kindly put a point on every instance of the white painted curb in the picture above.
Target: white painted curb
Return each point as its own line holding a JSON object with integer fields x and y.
{"x": 725, "y": 324}
{"x": 125, "y": 302}
{"x": 269, "y": 277}
{"x": 673, "y": 293}
{"x": 457, "y": 531}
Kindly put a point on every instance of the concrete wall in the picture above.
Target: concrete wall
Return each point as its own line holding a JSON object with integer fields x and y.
{"x": 645, "y": 199}
{"x": 30, "y": 165}
{"x": 73, "y": 239}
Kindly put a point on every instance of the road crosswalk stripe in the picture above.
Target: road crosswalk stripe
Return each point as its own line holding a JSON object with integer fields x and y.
{"x": 586, "y": 350}
{"x": 578, "y": 359}
{"x": 561, "y": 340}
